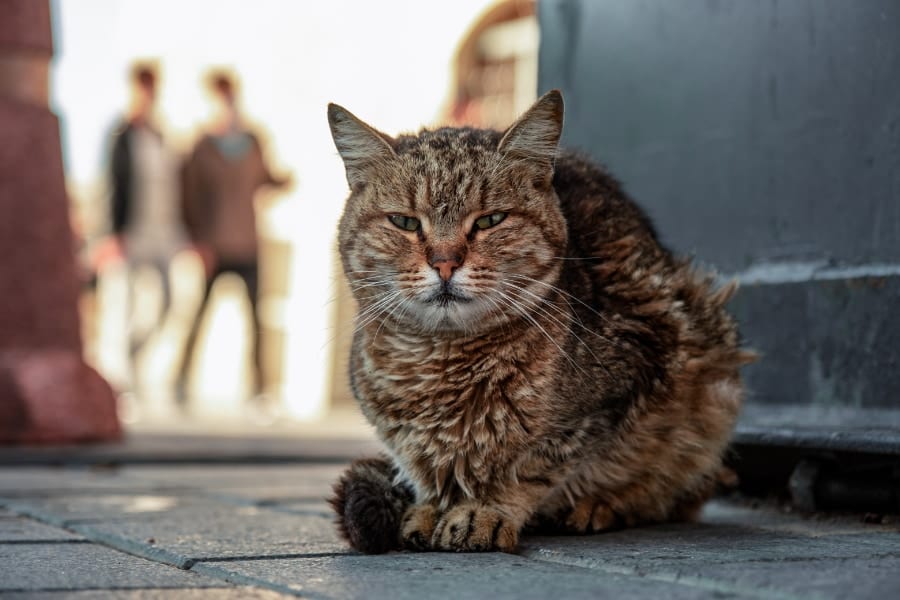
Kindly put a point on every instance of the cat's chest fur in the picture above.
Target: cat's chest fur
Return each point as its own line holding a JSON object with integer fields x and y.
{"x": 451, "y": 410}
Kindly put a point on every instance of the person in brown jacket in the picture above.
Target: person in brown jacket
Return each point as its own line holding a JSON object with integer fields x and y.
{"x": 221, "y": 178}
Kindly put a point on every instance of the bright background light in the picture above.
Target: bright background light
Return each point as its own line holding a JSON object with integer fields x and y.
{"x": 388, "y": 61}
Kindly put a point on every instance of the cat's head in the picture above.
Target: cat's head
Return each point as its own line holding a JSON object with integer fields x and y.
{"x": 453, "y": 229}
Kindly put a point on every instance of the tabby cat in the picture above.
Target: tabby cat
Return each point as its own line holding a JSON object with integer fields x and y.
{"x": 527, "y": 350}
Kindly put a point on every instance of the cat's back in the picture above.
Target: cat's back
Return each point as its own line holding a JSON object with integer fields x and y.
{"x": 602, "y": 219}
{"x": 616, "y": 264}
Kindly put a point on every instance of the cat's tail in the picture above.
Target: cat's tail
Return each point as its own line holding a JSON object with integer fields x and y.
{"x": 369, "y": 506}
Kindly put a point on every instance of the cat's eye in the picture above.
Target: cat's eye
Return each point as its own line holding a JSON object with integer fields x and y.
{"x": 405, "y": 223}
{"x": 488, "y": 221}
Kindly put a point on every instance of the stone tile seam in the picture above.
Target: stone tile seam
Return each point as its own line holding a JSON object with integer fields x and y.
{"x": 24, "y": 511}
{"x": 45, "y": 541}
{"x": 152, "y": 554}
{"x": 121, "y": 544}
{"x": 111, "y": 589}
{"x": 222, "y": 574}
{"x": 254, "y": 557}
{"x": 173, "y": 559}
{"x": 180, "y": 561}
{"x": 133, "y": 547}
{"x": 47, "y": 518}
{"x": 709, "y": 584}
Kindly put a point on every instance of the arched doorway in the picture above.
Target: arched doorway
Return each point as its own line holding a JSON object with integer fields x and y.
{"x": 495, "y": 76}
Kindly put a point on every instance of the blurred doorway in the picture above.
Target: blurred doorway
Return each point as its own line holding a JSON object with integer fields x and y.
{"x": 495, "y": 67}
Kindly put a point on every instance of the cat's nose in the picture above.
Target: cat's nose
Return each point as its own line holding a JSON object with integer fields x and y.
{"x": 445, "y": 265}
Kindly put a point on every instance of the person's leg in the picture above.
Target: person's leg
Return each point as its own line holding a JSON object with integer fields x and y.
{"x": 189, "y": 347}
{"x": 249, "y": 272}
{"x": 137, "y": 333}
{"x": 163, "y": 268}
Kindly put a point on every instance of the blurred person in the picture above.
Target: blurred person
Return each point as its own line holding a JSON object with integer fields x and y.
{"x": 147, "y": 225}
{"x": 222, "y": 175}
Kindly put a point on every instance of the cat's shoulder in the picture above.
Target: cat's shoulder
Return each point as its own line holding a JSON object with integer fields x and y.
{"x": 575, "y": 170}
{"x": 589, "y": 194}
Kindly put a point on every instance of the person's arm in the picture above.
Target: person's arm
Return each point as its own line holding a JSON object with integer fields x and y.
{"x": 267, "y": 178}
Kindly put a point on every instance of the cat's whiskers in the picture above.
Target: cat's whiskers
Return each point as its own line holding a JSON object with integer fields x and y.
{"x": 371, "y": 284}
{"x": 504, "y": 323}
{"x": 338, "y": 330}
{"x": 404, "y": 304}
{"x": 563, "y": 292}
{"x": 339, "y": 292}
{"x": 373, "y": 311}
{"x": 543, "y": 309}
{"x": 521, "y": 310}
{"x": 378, "y": 275}
{"x": 575, "y": 318}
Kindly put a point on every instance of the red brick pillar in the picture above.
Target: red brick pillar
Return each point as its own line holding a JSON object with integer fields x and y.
{"x": 47, "y": 392}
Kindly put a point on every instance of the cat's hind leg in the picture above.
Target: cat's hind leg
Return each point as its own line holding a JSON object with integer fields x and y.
{"x": 629, "y": 506}
{"x": 587, "y": 515}
{"x": 369, "y": 506}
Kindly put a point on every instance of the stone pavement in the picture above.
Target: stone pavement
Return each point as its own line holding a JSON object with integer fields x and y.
{"x": 264, "y": 531}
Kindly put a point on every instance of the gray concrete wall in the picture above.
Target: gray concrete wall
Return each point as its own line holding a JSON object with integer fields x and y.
{"x": 763, "y": 137}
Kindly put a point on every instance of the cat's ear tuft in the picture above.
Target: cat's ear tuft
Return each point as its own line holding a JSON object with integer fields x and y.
{"x": 535, "y": 135}
{"x": 362, "y": 147}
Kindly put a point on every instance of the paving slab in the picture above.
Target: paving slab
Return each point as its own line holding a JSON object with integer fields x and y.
{"x": 402, "y": 576}
{"x": 837, "y": 579}
{"x": 182, "y": 536}
{"x": 667, "y": 546}
{"x": 784, "y": 519}
{"x": 65, "y": 509}
{"x": 21, "y": 530}
{"x": 33, "y": 567}
{"x": 16, "y": 482}
{"x": 730, "y": 557}
{"x": 233, "y": 593}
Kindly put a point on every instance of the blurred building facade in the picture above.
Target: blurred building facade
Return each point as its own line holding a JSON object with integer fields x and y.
{"x": 765, "y": 139}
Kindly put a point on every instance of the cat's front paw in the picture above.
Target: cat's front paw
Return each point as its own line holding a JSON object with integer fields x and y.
{"x": 417, "y": 527}
{"x": 475, "y": 528}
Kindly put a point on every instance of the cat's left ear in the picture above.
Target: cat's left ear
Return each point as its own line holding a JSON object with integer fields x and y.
{"x": 362, "y": 147}
{"x": 535, "y": 135}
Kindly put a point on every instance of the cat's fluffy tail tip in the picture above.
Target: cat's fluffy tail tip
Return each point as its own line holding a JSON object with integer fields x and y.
{"x": 367, "y": 515}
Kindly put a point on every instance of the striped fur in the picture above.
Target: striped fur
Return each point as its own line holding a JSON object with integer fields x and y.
{"x": 571, "y": 373}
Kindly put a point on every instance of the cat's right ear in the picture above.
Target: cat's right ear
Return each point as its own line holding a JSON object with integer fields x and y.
{"x": 363, "y": 148}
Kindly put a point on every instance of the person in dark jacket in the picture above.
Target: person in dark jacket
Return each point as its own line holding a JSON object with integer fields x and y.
{"x": 222, "y": 176}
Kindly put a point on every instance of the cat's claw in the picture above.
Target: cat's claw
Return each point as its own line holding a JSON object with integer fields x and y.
{"x": 475, "y": 528}
{"x": 417, "y": 527}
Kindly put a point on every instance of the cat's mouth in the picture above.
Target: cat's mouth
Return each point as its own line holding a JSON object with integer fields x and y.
{"x": 446, "y": 297}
